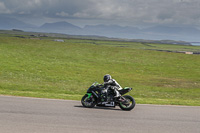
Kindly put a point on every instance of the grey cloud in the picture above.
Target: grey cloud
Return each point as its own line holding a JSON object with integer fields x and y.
{"x": 3, "y": 8}
{"x": 116, "y": 11}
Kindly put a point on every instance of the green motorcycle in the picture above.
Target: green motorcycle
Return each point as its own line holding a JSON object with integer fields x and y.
{"x": 98, "y": 95}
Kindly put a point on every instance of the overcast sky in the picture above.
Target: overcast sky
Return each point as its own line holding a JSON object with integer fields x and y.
{"x": 121, "y": 12}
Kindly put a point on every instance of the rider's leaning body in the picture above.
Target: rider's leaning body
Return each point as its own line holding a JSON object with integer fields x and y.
{"x": 112, "y": 83}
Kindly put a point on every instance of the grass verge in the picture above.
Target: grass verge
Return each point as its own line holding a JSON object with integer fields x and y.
{"x": 64, "y": 70}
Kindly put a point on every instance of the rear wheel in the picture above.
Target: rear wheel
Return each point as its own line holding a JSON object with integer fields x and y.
{"x": 128, "y": 104}
{"x": 88, "y": 102}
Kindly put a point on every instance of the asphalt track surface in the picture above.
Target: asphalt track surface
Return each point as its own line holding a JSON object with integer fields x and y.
{"x": 33, "y": 115}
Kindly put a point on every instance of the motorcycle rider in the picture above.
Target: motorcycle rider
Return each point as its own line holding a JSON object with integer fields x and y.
{"x": 112, "y": 83}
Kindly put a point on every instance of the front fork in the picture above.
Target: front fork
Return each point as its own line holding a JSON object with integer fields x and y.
{"x": 89, "y": 95}
{"x": 93, "y": 95}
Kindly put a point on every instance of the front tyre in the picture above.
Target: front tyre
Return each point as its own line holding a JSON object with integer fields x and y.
{"x": 129, "y": 104}
{"x": 88, "y": 102}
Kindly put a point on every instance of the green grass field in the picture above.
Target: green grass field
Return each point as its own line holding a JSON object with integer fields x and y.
{"x": 64, "y": 70}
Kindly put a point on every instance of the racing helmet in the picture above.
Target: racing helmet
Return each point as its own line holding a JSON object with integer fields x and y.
{"x": 106, "y": 78}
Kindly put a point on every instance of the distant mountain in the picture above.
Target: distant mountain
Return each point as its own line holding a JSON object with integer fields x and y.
{"x": 60, "y": 27}
{"x": 12, "y": 23}
{"x": 158, "y": 32}
{"x": 110, "y": 30}
{"x": 99, "y": 30}
{"x": 172, "y": 30}
{"x": 172, "y": 33}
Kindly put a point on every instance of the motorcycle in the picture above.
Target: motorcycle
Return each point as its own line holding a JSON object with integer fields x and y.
{"x": 98, "y": 95}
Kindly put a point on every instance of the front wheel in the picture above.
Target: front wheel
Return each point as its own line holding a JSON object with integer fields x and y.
{"x": 128, "y": 104}
{"x": 88, "y": 102}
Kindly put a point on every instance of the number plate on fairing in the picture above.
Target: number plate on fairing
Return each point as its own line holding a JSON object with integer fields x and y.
{"x": 109, "y": 104}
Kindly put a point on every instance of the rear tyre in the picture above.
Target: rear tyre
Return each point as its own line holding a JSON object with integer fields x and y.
{"x": 129, "y": 104}
{"x": 88, "y": 102}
